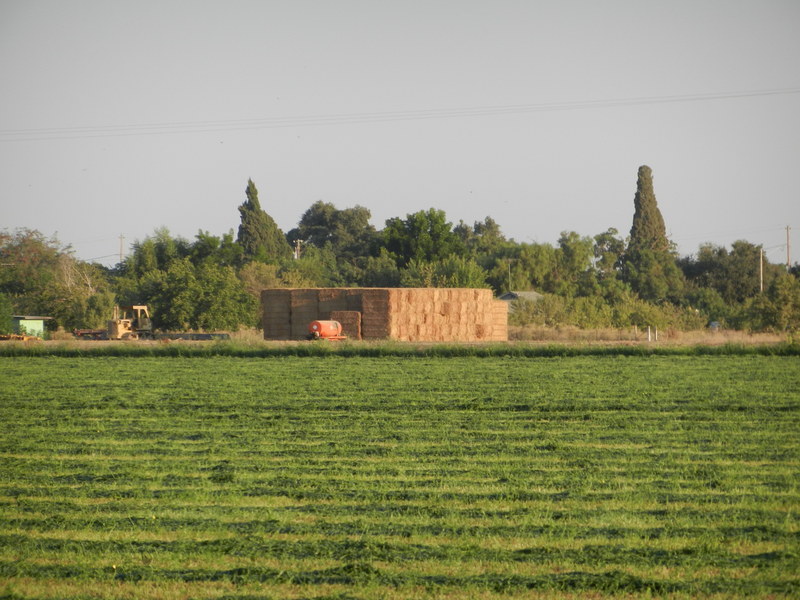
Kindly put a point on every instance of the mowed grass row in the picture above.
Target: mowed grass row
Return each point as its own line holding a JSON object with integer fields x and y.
{"x": 396, "y": 477}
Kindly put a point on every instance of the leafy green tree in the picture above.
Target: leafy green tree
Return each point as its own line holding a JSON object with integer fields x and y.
{"x": 573, "y": 265}
{"x": 380, "y": 271}
{"x": 256, "y": 276}
{"x": 608, "y": 250}
{"x": 80, "y": 295}
{"x": 734, "y": 274}
{"x": 548, "y": 311}
{"x": 557, "y": 311}
{"x": 223, "y": 303}
{"x": 316, "y": 267}
{"x": 423, "y": 236}
{"x": 654, "y": 276}
{"x": 40, "y": 276}
{"x": 523, "y": 267}
{"x": 595, "y": 312}
{"x": 188, "y": 285}
{"x": 259, "y": 235}
{"x": 346, "y": 236}
{"x": 453, "y": 271}
{"x": 778, "y": 309}
{"x": 29, "y": 266}
{"x": 784, "y": 292}
{"x": 631, "y": 310}
{"x": 483, "y": 239}
{"x": 142, "y": 259}
{"x": 6, "y": 323}
{"x": 222, "y": 251}
{"x": 98, "y": 309}
{"x": 710, "y": 303}
{"x": 347, "y": 232}
{"x": 155, "y": 252}
{"x": 171, "y": 295}
{"x": 206, "y": 296}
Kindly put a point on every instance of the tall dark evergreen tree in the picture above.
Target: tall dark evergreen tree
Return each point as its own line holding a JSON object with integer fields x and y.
{"x": 259, "y": 235}
{"x": 649, "y": 266}
{"x": 648, "y": 231}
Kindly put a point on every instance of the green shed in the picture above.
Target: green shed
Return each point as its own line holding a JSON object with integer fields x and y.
{"x": 29, "y": 325}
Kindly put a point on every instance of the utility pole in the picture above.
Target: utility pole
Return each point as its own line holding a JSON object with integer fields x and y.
{"x": 788, "y": 251}
{"x": 121, "y": 248}
{"x": 761, "y": 271}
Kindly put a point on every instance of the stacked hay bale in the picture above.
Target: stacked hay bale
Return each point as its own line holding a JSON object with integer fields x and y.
{"x": 304, "y": 306}
{"x": 499, "y": 322}
{"x": 375, "y": 319}
{"x": 351, "y": 322}
{"x": 446, "y": 315}
{"x": 329, "y": 300}
{"x": 277, "y": 315}
{"x": 405, "y": 314}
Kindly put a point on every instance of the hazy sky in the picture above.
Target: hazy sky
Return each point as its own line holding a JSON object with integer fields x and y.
{"x": 117, "y": 118}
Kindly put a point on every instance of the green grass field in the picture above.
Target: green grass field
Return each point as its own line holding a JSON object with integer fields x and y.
{"x": 399, "y": 477}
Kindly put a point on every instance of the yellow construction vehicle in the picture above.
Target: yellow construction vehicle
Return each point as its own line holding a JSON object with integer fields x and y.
{"x": 133, "y": 323}
{"x": 128, "y": 323}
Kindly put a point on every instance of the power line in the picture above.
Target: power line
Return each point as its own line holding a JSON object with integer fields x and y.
{"x": 178, "y": 127}
{"x": 99, "y": 257}
{"x": 735, "y": 232}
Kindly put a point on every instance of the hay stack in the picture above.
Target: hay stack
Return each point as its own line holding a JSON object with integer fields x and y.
{"x": 351, "y": 322}
{"x": 444, "y": 314}
{"x": 499, "y": 321}
{"x": 406, "y": 314}
{"x": 276, "y": 315}
{"x": 375, "y": 320}
{"x": 331, "y": 300}
{"x": 304, "y": 304}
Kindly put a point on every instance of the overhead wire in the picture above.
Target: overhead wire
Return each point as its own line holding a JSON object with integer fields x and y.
{"x": 99, "y": 257}
{"x": 729, "y": 232}
{"x": 210, "y": 126}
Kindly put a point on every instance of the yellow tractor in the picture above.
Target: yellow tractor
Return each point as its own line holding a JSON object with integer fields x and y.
{"x": 133, "y": 323}
{"x": 130, "y": 323}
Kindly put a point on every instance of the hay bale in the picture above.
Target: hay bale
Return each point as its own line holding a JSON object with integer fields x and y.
{"x": 276, "y": 314}
{"x": 351, "y": 322}
{"x": 331, "y": 299}
{"x": 499, "y": 321}
{"x": 305, "y": 308}
{"x": 375, "y": 317}
{"x": 375, "y": 297}
{"x": 412, "y": 314}
{"x": 353, "y": 299}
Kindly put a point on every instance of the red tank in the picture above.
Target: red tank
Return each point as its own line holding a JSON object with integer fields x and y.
{"x": 325, "y": 330}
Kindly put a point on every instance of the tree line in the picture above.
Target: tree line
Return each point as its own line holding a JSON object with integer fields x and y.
{"x": 213, "y": 281}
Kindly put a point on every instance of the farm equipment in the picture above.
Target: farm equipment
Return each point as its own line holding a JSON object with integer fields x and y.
{"x": 16, "y": 337}
{"x": 133, "y": 323}
{"x": 128, "y": 323}
{"x": 325, "y": 330}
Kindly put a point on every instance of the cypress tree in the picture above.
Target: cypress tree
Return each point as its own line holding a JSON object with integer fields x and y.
{"x": 649, "y": 266}
{"x": 648, "y": 231}
{"x": 259, "y": 235}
